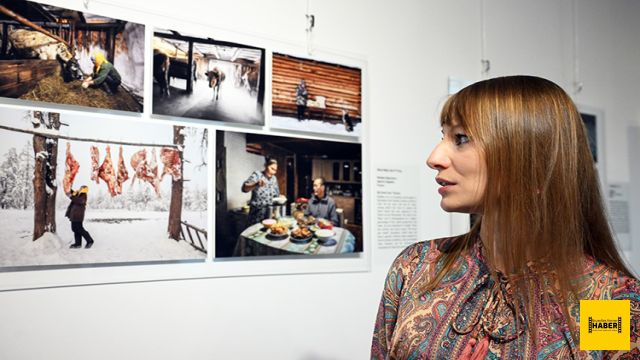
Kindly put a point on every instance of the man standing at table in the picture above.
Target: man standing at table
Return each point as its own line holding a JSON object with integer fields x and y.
{"x": 322, "y": 205}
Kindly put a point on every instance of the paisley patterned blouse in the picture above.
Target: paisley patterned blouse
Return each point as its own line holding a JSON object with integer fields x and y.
{"x": 413, "y": 324}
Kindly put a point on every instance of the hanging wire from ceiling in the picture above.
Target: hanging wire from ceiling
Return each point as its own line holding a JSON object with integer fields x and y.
{"x": 486, "y": 63}
{"x": 311, "y": 23}
{"x": 577, "y": 83}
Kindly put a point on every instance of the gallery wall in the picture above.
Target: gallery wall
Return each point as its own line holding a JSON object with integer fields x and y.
{"x": 412, "y": 48}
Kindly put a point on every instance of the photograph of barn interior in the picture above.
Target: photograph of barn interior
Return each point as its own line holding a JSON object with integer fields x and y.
{"x": 145, "y": 190}
{"x": 319, "y": 179}
{"x": 317, "y": 185}
{"x": 58, "y": 55}
{"x": 316, "y": 96}
{"x": 206, "y": 79}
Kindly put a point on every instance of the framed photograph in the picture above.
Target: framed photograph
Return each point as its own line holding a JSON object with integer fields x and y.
{"x": 76, "y": 189}
{"x": 203, "y": 78}
{"x": 63, "y": 56}
{"x": 593, "y": 120}
{"x": 316, "y": 96}
{"x": 279, "y": 195}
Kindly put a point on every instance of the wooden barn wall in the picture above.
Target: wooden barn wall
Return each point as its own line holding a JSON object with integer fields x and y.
{"x": 19, "y": 76}
{"x": 341, "y": 86}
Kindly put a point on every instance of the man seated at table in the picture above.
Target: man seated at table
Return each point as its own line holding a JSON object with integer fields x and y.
{"x": 321, "y": 205}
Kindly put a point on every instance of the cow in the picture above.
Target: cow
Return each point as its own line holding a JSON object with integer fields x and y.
{"x": 215, "y": 78}
{"x": 250, "y": 80}
{"x": 161, "y": 66}
{"x": 30, "y": 44}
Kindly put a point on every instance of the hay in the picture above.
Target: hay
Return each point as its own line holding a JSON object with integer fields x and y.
{"x": 53, "y": 89}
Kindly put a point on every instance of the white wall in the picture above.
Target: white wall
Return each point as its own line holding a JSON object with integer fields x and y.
{"x": 411, "y": 47}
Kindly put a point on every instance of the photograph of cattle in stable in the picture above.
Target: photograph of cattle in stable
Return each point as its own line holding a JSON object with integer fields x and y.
{"x": 63, "y": 56}
{"x": 315, "y": 96}
{"x": 81, "y": 190}
{"x": 206, "y": 79}
{"x": 279, "y": 195}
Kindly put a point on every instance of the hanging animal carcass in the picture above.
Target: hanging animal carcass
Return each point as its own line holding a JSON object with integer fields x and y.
{"x": 30, "y": 44}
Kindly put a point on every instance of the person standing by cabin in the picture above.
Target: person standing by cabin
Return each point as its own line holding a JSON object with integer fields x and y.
{"x": 105, "y": 75}
{"x": 301, "y": 99}
{"x": 75, "y": 213}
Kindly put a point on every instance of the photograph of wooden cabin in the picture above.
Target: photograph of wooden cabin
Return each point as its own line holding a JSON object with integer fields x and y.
{"x": 203, "y": 78}
{"x": 129, "y": 192}
{"x": 63, "y": 56}
{"x": 279, "y": 195}
{"x": 316, "y": 96}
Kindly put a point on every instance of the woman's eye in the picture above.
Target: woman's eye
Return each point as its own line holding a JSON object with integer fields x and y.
{"x": 461, "y": 139}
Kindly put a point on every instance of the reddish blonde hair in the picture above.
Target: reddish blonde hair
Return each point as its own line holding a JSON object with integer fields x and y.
{"x": 543, "y": 204}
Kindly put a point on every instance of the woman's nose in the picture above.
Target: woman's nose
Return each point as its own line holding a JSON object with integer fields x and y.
{"x": 438, "y": 158}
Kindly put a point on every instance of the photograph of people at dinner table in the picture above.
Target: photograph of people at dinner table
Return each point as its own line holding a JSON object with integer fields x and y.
{"x": 278, "y": 195}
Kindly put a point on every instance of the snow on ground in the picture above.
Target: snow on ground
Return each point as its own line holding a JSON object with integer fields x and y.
{"x": 316, "y": 126}
{"x": 120, "y": 236}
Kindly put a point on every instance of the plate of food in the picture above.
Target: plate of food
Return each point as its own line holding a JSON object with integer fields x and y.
{"x": 301, "y": 235}
{"x": 325, "y": 224}
{"x": 278, "y": 232}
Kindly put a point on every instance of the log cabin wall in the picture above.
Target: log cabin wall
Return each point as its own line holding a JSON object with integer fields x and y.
{"x": 340, "y": 85}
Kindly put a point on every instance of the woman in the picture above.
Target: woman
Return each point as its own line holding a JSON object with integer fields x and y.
{"x": 75, "y": 213}
{"x": 104, "y": 75}
{"x": 514, "y": 152}
{"x": 264, "y": 188}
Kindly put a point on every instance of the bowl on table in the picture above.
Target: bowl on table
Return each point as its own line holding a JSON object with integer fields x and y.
{"x": 268, "y": 223}
{"x": 325, "y": 237}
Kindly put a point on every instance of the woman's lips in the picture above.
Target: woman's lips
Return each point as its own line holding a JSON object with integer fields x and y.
{"x": 445, "y": 185}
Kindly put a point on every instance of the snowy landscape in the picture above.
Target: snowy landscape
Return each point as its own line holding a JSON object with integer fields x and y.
{"x": 312, "y": 125}
{"x": 119, "y": 236}
{"x": 131, "y": 226}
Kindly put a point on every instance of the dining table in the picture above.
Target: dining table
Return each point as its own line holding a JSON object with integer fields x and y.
{"x": 257, "y": 240}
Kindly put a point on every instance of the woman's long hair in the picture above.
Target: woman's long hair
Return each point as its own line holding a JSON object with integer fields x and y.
{"x": 542, "y": 208}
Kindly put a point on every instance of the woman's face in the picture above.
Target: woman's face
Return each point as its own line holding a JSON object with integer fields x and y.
{"x": 271, "y": 170}
{"x": 461, "y": 171}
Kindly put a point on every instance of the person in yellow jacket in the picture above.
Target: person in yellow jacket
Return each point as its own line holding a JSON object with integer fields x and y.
{"x": 105, "y": 75}
{"x": 75, "y": 213}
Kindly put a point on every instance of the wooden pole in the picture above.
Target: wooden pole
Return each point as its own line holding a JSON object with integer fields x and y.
{"x": 73, "y": 138}
{"x": 190, "y": 68}
{"x": 51, "y": 171}
{"x": 177, "y": 187}
{"x": 26, "y": 22}
{"x": 39, "y": 186}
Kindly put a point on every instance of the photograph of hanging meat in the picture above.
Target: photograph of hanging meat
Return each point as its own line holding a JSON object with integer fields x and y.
{"x": 170, "y": 158}
{"x": 154, "y": 178}
{"x": 146, "y": 170}
{"x": 123, "y": 174}
{"x": 71, "y": 167}
{"x": 95, "y": 159}
{"x": 107, "y": 174}
{"x": 139, "y": 165}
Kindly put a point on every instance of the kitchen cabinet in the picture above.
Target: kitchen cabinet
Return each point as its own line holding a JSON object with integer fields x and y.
{"x": 337, "y": 171}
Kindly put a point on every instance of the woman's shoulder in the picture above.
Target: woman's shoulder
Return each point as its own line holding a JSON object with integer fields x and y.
{"x": 423, "y": 252}
{"x": 606, "y": 282}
